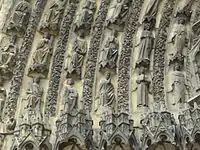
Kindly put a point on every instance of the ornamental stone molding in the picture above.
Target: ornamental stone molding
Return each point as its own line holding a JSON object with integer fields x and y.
{"x": 99, "y": 75}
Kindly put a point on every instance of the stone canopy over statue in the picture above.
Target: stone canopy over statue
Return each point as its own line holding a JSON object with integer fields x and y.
{"x": 109, "y": 54}
{"x": 106, "y": 97}
{"x": 53, "y": 15}
{"x": 41, "y": 56}
{"x": 8, "y": 58}
{"x": 20, "y": 17}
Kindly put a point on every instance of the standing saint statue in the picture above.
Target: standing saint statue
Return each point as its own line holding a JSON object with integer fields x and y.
{"x": 20, "y": 17}
{"x": 34, "y": 100}
{"x": 109, "y": 54}
{"x": 180, "y": 37}
{"x": 53, "y": 16}
{"x": 40, "y": 63}
{"x": 8, "y": 56}
{"x": 70, "y": 96}
{"x": 146, "y": 43}
{"x": 75, "y": 63}
{"x": 106, "y": 96}
{"x": 143, "y": 88}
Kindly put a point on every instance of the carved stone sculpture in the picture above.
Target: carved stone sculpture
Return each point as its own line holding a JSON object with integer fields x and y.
{"x": 109, "y": 54}
{"x": 8, "y": 57}
{"x": 146, "y": 43}
{"x": 33, "y": 101}
{"x": 40, "y": 62}
{"x": 151, "y": 9}
{"x": 177, "y": 87}
{"x": 20, "y": 17}
{"x": 3, "y": 95}
{"x": 53, "y": 16}
{"x": 85, "y": 18}
{"x": 74, "y": 64}
{"x": 180, "y": 37}
{"x": 143, "y": 88}
{"x": 117, "y": 12}
{"x": 70, "y": 96}
{"x": 106, "y": 97}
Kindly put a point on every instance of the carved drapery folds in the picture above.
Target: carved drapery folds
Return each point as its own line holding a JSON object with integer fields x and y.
{"x": 18, "y": 71}
{"x": 84, "y": 19}
{"x": 106, "y": 98}
{"x": 124, "y": 62}
{"x": 53, "y": 16}
{"x": 41, "y": 57}
{"x": 31, "y": 127}
{"x": 118, "y": 12}
{"x": 58, "y": 59}
{"x": 109, "y": 53}
{"x": 92, "y": 55}
{"x": 19, "y": 18}
{"x": 8, "y": 58}
{"x": 74, "y": 126}
{"x": 75, "y": 61}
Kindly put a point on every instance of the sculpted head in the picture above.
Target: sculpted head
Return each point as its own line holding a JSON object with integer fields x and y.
{"x": 36, "y": 80}
{"x": 70, "y": 81}
{"x": 107, "y": 75}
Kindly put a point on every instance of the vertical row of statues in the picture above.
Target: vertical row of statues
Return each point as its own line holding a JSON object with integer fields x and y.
{"x": 145, "y": 50}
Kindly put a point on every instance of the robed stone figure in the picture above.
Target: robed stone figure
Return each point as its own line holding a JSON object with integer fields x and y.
{"x": 106, "y": 95}
{"x": 109, "y": 54}
{"x": 75, "y": 63}
{"x": 70, "y": 97}
{"x": 40, "y": 62}
{"x": 151, "y": 9}
{"x": 34, "y": 101}
{"x": 143, "y": 84}
{"x": 146, "y": 44}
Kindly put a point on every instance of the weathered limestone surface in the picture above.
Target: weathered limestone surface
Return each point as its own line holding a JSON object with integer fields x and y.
{"x": 99, "y": 75}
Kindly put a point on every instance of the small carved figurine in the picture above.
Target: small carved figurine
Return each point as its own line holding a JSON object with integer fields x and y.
{"x": 143, "y": 88}
{"x": 40, "y": 63}
{"x": 85, "y": 18}
{"x": 74, "y": 65}
{"x": 117, "y": 12}
{"x": 70, "y": 96}
{"x": 8, "y": 56}
{"x": 53, "y": 16}
{"x": 20, "y": 17}
{"x": 106, "y": 95}
{"x": 109, "y": 54}
{"x": 34, "y": 100}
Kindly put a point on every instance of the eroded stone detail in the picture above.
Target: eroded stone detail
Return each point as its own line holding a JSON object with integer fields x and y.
{"x": 92, "y": 54}
{"x": 53, "y": 15}
{"x": 20, "y": 17}
{"x": 18, "y": 72}
{"x": 58, "y": 59}
{"x": 124, "y": 62}
{"x": 75, "y": 61}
